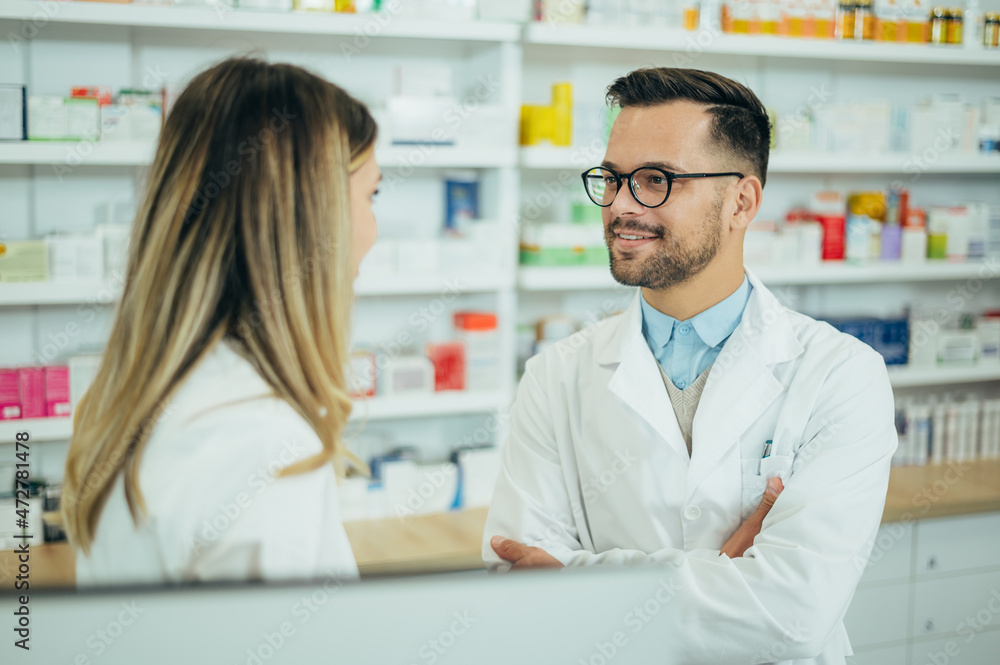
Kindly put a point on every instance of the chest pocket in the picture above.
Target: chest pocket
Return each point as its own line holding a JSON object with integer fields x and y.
{"x": 755, "y": 482}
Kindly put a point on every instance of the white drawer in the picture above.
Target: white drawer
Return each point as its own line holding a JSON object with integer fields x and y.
{"x": 891, "y": 556}
{"x": 979, "y": 650}
{"x": 890, "y": 656}
{"x": 958, "y": 543}
{"x": 956, "y": 604}
{"x": 878, "y": 614}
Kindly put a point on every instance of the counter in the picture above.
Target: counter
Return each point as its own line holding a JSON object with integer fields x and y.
{"x": 452, "y": 541}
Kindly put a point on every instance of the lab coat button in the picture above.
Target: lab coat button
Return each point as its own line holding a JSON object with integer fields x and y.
{"x": 692, "y": 512}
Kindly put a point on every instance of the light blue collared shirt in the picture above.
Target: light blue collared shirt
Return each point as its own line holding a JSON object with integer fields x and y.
{"x": 685, "y": 349}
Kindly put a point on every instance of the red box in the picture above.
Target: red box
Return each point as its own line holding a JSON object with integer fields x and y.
{"x": 57, "y": 391}
{"x": 10, "y": 395}
{"x": 102, "y": 93}
{"x": 31, "y": 382}
{"x": 449, "y": 365}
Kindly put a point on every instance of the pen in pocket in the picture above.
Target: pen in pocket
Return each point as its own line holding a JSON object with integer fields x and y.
{"x": 767, "y": 453}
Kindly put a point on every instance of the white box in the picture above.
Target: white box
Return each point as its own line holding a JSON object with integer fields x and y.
{"x": 114, "y": 240}
{"x": 382, "y": 259}
{"x": 46, "y": 117}
{"x": 13, "y": 110}
{"x": 414, "y": 120}
{"x": 419, "y": 257}
{"x": 82, "y": 370}
{"x": 83, "y": 119}
{"x": 75, "y": 257}
{"x": 517, "y": 11}
{"x": 421, "y": 81}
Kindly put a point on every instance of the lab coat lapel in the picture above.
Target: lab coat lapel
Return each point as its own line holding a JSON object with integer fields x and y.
{"x": 741, "y": 384}
{"x": 637, "y": 381}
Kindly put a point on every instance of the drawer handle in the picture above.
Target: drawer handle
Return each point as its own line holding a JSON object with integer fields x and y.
{"x": 929, "y": 625}
{"x": 931, "y": 563}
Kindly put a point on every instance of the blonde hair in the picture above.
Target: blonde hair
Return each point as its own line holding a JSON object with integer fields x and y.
{"x": 244, "y": 232}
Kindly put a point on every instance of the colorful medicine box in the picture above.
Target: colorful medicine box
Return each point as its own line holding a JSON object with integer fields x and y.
{"x": 10, "y": 395}
{"x": 31, "y": 383}
{"x": 57, "y": 402}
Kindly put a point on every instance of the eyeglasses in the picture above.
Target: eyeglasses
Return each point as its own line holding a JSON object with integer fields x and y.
{"x": 650, "y": 186}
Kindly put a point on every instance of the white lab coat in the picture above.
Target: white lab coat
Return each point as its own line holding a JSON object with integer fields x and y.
{"x": 595, "y": 470}
{"x": 215, "y": 509}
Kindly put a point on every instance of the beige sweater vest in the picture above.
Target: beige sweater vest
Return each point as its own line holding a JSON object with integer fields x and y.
{"x": 685, "y": 402}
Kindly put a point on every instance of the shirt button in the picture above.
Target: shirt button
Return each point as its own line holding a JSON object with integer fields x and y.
{"x": 692, "y": 512}
{"x": 681, "y": 384}
{"x": 685, "y": 330}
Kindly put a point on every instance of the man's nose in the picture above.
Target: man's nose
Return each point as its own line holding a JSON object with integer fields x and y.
{"x": 625, "y": 204}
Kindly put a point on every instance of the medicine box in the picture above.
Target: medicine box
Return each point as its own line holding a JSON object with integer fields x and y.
{"x": 10, "y": 395}
{"x": 25, "y": 261}
{"x": 57, "y": 402}
{"x": 31, "y": 385}
{"x": 13, "y": 113}
{"x": 82, "y": 370}
{"x": 889, "y": 337}
{"x": 75, "y": 257}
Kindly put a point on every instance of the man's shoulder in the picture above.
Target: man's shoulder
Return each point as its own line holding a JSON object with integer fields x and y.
{"x": 579, "y": 349}
{"x": 820, "y": 339}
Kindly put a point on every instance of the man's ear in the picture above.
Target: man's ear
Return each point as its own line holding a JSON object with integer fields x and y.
{"x": 749, "y": 193}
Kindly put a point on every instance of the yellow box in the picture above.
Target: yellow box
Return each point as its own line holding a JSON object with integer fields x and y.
{"x": 24, "y": 261}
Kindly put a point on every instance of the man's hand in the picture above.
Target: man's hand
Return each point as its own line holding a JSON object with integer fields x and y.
{"x": 742, "y": 539}
{"x": 523, "y": 556}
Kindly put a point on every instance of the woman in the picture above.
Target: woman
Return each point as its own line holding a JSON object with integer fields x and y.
{"x": 208, "y": 445}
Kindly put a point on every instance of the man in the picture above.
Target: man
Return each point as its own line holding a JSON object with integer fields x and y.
{"x": 650, "y": 437}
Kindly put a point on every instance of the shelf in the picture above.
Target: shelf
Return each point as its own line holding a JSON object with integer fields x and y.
{"x": 71, "y": 154}
{"x": 38, "y": 429}
{"x": 26, "y": 294}
{"x": 430, "y": 284}
{"x": 248, "y": 21}
{"x": 695, "y": 43}
{"x": 431, "y": 404}
{"x": 838, "y": 272}
{"x": 590, "y": 278}
{"x": 376, "y": 408}
{"x": 907, "y": 377}
{"x": 58, "y": 293}
{"x": 577, "y": 159}
{"x": 581, "y": 278}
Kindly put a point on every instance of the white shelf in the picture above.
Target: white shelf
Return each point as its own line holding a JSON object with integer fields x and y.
{"x": 677, "y": 40}
{"x": 818, "y": 162}
{"x": 376, "y": 408}
{"x": 73, "y": 293}
{"x": 249, "y": 21}
{"x": 577, "y": 159}
{"x": 38, "y": 429}
{"x": 428, "y": 405}
{"x": 583, "y": 278}
{"x": 838, "y": 272}
{"x": 58, "y": 293}
{"x": 906, "y": 377}
{"x": 431, "y": 156}
{"x": 77, "y": 153}
{"x": 430, "y": 284}
{"x": 140, "y": 153}
{"x": 532, "y": 278}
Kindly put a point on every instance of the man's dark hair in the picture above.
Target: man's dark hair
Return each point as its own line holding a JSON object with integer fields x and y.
{"x": 740, "y": 127}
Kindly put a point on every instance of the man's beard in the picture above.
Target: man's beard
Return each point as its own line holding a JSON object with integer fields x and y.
{"x": 672, "y": 263}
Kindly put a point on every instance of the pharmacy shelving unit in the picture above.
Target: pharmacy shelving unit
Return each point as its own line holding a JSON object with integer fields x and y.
{"x": 182, "y": 32}
{"x": 550, "y": 158}
{"x": 634, "y": 38}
